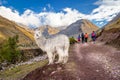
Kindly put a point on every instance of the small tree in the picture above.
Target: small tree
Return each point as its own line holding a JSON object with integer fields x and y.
{"x": 9, "y": 51}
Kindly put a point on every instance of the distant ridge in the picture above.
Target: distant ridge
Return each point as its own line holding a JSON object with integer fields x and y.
{"x": 78, "y": 27}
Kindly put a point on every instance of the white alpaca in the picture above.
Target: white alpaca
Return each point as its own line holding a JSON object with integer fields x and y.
{"x": 58, "y": 44}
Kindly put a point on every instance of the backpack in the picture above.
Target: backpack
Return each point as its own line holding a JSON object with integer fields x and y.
{"x": 93, "y": 34}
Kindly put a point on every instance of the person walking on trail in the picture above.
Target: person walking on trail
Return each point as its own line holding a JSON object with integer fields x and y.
{"x": 79, "y": 38}
{"x": 82, "y": 37}
{"x": 93, "y": 36}
{"x": 86, "y": 37}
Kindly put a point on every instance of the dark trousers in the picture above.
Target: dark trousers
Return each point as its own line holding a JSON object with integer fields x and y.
{"x": 83, "y": 40}
{"x": 93, "y": 38}
{"x": 86, "y": 39}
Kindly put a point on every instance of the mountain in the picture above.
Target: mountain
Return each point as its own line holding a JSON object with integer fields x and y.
{"x": 52, "y": 30}
{"x": 115, "y": 19}
{"x": 48, "y": 30}
{"x": 78, "y": 27}
{"x": 61, "y": 28}
{"x": 113, "y": 23}
{"x": 110, "y": 33}
{"x": 9, "y": 29}
{"x": 72, "y": 30}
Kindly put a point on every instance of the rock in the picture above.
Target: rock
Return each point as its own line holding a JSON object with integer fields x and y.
{"x": 59, "y": 68}
{"x": 53, "y": 73}
{"x": 4, "y": 64}
{"x": 43, "y": 72}
{"x": 97, "y": 70}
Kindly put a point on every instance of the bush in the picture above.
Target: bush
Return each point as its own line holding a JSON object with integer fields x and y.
{"x": 9, "y": 51}
{"x": 72, "y": 40}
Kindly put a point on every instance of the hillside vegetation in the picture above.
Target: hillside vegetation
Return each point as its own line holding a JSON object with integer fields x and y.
{"x": 110, "y": 34}
{"x": 115, "y": 24}
{"x": 19, "y": 72}
{"x": 9, "y": 51}
{"x": 10, "y": 29}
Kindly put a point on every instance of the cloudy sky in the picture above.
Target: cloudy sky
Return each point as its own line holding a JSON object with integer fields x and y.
{"x": 58, "y": 13}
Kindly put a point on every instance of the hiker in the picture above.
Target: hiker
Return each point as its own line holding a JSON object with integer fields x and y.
{"x": 93, "y": 36}
{"x": 79, "y": 38}
{"x": 86, "y": 37}
{"x": 82, "y": 37}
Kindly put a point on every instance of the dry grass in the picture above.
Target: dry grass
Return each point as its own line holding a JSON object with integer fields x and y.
{"x": 19, "y": 72}
{"x": 115, "y": 24}
{"x": 52, "y": 30}
{"x": 10, "y": 29}
{"x": 2, "y": 36}
{"x": 27, "y": 33}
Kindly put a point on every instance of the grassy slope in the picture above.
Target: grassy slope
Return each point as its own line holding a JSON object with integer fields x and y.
{"x": 20, "y": 71}
{"x": 115, "y": 24}
{"x": 27, "y": 33}
{"x": 116, "y": 38}
{"x": 9, "y": 29}
{"x": 110, "y": 34}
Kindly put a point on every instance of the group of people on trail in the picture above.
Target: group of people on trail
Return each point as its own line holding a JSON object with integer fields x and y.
{"x": 84, "y": 37}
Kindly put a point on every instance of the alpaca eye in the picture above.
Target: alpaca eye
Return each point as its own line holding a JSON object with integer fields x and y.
{"x": 36, "y": 34}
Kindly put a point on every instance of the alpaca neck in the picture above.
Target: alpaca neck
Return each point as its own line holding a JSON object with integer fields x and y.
{"x": 41, "y": 42}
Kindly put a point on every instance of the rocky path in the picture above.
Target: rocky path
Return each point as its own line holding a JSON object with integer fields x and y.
{"x": 86, "y": 62}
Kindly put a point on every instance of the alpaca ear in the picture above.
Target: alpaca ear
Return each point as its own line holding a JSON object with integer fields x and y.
{"x": 35, "y": 30}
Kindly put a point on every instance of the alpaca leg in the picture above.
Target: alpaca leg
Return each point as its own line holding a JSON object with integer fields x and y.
{"x": 50, "y": 57}
{"x": 60, "y": 55}
{"x": 65, "y": 56}
{"x": 65, "y": 59}
{"x": 53, "y": 57}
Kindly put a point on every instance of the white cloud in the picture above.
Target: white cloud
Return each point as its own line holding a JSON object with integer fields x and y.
{"x": 28, "y": 17}
{"x": 101, "y": 23}
{"x": 9, "y": 13}
{"x": 108, "y": 2}
{"x": 60, "y": 18}
{"x": 44, "y": 9}
{"x": 106, "y": 11}
{"x": 49, "y": 7}
{"x": 65, "y": 17}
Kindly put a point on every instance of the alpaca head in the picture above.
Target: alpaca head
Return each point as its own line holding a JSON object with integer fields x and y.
{"x": 37, "y": 34}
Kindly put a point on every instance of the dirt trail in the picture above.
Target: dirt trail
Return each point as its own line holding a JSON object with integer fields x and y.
{"x": 86, "y": 62}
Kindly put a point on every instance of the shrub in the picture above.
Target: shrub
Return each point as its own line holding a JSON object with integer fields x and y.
{"x": 72, "y": 40}
{"x": 9, "y": 50}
